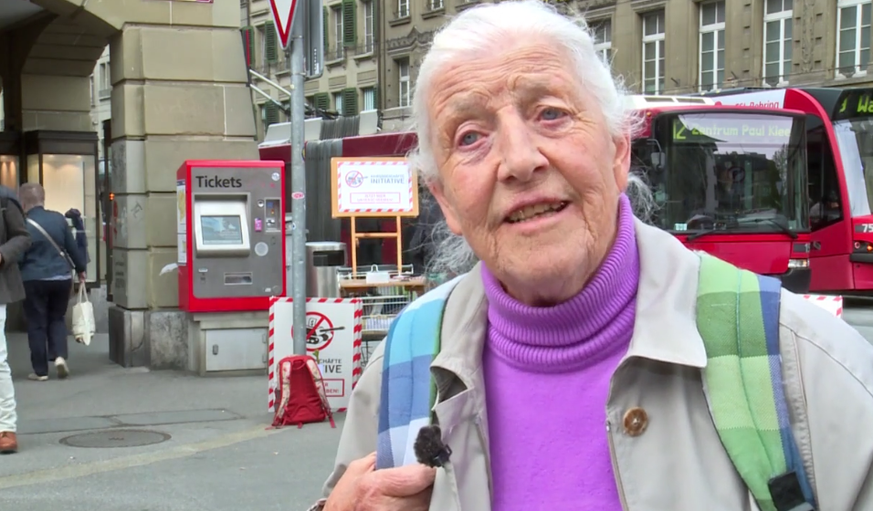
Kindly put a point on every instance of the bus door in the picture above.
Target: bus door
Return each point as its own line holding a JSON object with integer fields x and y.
{"x": 831, "y": 226}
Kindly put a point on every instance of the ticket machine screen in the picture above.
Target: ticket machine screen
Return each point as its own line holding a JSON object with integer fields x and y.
{"x": 221, "y": 226}
{"x": 221, "y": 230}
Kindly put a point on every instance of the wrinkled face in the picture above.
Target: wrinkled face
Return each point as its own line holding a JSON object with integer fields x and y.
{"x": 529, "y": 173}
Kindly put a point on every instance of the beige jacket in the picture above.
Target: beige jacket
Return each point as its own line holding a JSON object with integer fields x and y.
{"x": 678, "y": 462}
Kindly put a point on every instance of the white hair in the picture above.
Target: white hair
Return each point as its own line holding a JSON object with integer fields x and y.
{"x": 483, "y": 28}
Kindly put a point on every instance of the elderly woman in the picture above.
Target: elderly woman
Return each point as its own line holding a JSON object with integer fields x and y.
{"x": 587, "y": 361}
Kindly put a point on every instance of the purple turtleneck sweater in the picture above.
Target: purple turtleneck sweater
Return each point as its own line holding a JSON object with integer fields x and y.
{"x": 547, "y": 373}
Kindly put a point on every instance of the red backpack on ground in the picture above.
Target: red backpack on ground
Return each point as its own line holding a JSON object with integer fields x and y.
{"x": 300, "y": 396}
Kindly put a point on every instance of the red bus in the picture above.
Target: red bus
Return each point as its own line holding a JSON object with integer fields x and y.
{"x": 839, "y": 141}
{"x": 727, "y": 180}
{"x": 731, "y": 181}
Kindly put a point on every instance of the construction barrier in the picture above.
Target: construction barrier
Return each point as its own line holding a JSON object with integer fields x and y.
{"x": 830, "y": 303}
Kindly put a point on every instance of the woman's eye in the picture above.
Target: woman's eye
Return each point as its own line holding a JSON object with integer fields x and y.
{"x": 469, "y": 138}
{"x": 551, "y": 114}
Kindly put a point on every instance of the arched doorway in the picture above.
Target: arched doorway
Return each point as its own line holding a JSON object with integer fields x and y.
{"x": 179, "y": 90}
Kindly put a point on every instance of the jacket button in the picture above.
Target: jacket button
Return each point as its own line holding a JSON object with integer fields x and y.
{"x": 635, "y": 421}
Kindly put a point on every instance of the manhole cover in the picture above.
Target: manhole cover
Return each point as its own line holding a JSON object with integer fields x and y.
{"x": 116, "y": 438}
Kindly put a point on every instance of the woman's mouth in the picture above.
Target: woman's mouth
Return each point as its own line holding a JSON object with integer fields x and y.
{"x": 536, "y": 211}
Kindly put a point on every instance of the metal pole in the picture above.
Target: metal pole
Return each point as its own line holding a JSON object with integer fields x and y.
{"x": 298, "y": 188}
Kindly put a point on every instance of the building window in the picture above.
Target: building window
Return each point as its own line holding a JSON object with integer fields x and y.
{"x": 403, "y": 82}
{"x": 402, "y": 8}
{"x": 777, "y": 41}
{"x": 435, "y": 4}
{"x": 853, "y": 41}
{"x": 368, "y": 27}
{"x": 269, "y": 44}
{"x": 338, "y": 102}
{"x": 369, "y": 98}
{"x": 339, "y": 50}
{"x": 322, "y": 102}
{"x": 269, "y": 114}
{"x": 711, "y": 45}
{"x": 105, "y": 81}
{"x": 653, "y": 52}
{"x": 603, "y": 39}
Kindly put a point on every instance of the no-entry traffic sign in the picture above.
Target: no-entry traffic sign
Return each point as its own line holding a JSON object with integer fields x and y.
{"x": 283, "y": 16}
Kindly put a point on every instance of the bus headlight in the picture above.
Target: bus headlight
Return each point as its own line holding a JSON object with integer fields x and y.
{"x": 798, "y": 263}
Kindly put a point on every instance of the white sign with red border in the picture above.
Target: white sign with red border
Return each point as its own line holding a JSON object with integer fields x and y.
{"x": 283, "y": 16}
{"x": 830, "y": 303}
{"x": 333, "y": 327}
{"x": 384, "y": 187}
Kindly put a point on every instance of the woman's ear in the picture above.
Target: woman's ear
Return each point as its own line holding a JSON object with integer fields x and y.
{"x": 621, "y": 160}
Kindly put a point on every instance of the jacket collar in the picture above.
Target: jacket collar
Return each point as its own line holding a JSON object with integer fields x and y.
{"x": 665, "y": 328}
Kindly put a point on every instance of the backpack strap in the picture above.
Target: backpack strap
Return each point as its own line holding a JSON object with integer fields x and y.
{"x": 738, "y": 319}
{"x": 408, "y": 391}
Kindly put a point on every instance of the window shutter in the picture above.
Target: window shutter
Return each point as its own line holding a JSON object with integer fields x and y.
{"x": 350, "y": 27}
{"x": 322, "y": 101}
{"x": 350, "y": 102}
{"x": 247, "y": 44}
{"x": 327, "y": 30}
{"x": 271, "y": 43}
{"x": 376, "y": 104}
{"x": 272, "y": 116}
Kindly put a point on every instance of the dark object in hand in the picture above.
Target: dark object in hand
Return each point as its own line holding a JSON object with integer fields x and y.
{"x": 429, "y": 447}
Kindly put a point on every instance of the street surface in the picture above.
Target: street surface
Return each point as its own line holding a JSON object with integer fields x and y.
{"x": 219, "y": 456}
{"x": 859, "y": 314}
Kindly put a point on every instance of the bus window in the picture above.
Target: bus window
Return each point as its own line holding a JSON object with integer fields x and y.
{"x": 824, "y": 186}
{"x": 733, "y": 171}
{"x": 642, "y": 165}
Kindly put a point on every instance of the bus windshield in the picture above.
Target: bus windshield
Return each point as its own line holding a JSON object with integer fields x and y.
{"x": 727, "y": 171}
{"x": 855, "y": 140}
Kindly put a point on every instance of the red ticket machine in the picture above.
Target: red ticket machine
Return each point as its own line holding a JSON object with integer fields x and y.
{"x": 231, "y": 234}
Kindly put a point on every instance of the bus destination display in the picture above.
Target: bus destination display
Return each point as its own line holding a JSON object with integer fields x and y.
{"x": 735, "y": 129}
{"x": 854, "y": 104}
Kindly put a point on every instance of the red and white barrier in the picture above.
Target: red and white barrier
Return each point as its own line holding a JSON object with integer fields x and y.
{"x": 830, "y": 303}
{"x": 334, "y": 328}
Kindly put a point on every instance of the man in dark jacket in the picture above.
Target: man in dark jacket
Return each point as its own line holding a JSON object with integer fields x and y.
{"x": 46, "y": 268}
{"x": 14, "y": 241}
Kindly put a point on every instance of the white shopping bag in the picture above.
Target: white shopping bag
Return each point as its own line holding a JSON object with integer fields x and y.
{"x": 84, "y": 325}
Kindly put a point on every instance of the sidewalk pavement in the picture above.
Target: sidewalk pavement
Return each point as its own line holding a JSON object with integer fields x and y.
{"x": 219, "y": 454}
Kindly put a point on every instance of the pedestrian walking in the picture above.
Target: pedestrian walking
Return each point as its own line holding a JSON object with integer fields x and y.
{"x": 14, "y": 241}
{"x": 46, "y": 268}
{"x": 587, "y": 360}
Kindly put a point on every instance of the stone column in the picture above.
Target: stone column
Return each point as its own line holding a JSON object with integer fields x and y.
{"x": 179, "y": 92}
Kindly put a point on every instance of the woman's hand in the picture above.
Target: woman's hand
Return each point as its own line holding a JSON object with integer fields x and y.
{"x": 363, "y": 488}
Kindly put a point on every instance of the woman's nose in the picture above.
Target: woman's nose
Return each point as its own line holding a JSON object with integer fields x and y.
{"x": 520, "y": 154}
